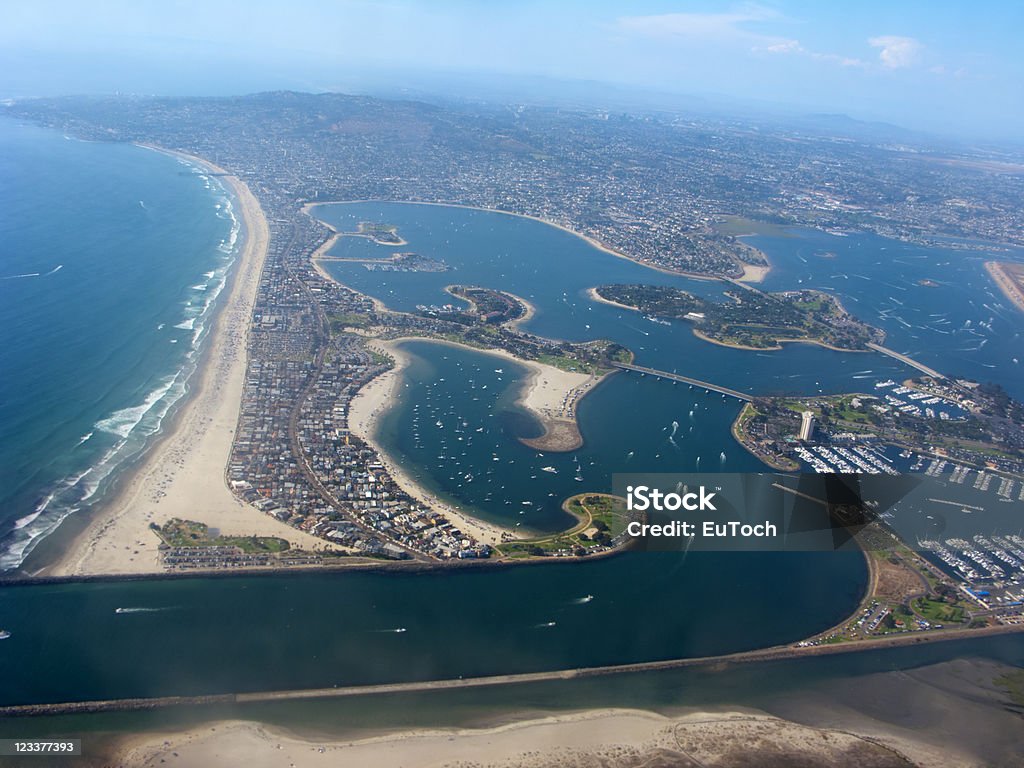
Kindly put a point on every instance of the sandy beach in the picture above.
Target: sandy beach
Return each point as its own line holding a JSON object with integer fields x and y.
{"x": 622, "y": 737}
{"x": 753, "y": 273}
{"x": 183, "y": 475}
{"x": 364, "y": 411}
{"x": 550, "y": 393}
{"x": 1010, "y": 279}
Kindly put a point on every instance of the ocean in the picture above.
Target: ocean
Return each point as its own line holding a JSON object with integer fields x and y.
{"x": 111, "y": 259}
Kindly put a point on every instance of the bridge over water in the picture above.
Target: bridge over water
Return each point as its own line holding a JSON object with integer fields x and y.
{"x": 906, "y": 360}
{"x": 685, "y": 380}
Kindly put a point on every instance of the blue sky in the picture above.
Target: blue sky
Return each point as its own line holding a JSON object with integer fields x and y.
{"x": 944, "y": 66}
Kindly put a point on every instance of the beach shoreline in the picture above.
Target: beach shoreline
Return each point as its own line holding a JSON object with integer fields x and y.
{"x": 1011, "y": 287}
{"x": 600, "y": 736}
{"x": 549, "y": 394}
{"x": 183, "y": 473}
{"x": 753, "y": 273}
{"x": 364, "y": 413}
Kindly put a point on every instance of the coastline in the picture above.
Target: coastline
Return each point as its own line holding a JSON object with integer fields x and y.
{"x": 753, "y": 273}
{"x": 308, "y": 206}
{"x": 541, "y": 740}
{"x": 182, "y": 474}
{"x": 549, "y": 394}
{"x": 364, "y": 413}
{"x": 1010, "y": 287}
{"x": 595, "y": 296}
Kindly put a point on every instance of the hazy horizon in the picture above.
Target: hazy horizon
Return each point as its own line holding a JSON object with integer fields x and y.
{"x": 944, "y": 70}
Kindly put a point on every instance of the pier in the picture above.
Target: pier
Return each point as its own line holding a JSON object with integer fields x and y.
{"x": 708, "y": 387}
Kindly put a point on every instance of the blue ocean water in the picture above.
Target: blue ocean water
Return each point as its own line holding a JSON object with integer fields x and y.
{"x": 111, "y": 257}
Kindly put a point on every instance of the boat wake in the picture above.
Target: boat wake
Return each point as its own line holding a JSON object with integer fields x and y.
{"x": 53, "y": 271}
{"x": 144, "y": 610}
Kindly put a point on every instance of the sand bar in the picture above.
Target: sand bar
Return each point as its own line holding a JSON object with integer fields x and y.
{"x": 183, "y": 475}
{"x": 595, "y": 737}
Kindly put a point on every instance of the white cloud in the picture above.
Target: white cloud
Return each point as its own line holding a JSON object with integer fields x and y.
{"x": 699, "y": 26}
{"x": 897, "y": 52}
{"x": 786, "y": 46}
{"x": 793, "y": 47}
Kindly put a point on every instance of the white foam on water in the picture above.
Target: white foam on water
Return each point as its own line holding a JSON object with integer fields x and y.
{"x": 132, "y": 426}
{"x": 21, "y": 522}
{"x": 123, "y": 421}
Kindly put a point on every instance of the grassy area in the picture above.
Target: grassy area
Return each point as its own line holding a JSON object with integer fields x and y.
{"x": 188, "y": 533}
{"x": 348, "y": 320}
{"x": 371, "y": 227}
{"x": 568, "y": 364}
{"x": 740, "y": 226}
{"x": 844, "y": 411}
{"x": 937, "y": 611}
{"x": 810, "y": 305}
{"x": 599, "y": 519}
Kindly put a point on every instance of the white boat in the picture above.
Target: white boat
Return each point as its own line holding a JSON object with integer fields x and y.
{"x": 552, "y": 470}
{"x": 4, "y": 634}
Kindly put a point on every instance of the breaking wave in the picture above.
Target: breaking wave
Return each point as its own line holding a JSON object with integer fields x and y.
{"x": 120, "y": 439}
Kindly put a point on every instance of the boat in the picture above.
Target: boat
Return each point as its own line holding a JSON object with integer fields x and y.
{"x": 4, "y": 634}
{"x": 552, "y": 470}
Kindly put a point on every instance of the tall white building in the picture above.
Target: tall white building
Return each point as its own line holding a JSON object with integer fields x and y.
{"x": 806, "y": 425}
